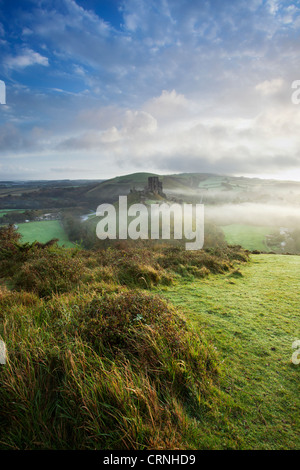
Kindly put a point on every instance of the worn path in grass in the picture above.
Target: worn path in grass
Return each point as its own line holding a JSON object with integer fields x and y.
{"x": 252, "y": 318}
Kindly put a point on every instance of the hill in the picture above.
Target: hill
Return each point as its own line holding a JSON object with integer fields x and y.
{"x": 99, "y": 358}
{"x": 188, "y": 187}
{"x": 255, "y": 213}
{"x": 207, "y": 187}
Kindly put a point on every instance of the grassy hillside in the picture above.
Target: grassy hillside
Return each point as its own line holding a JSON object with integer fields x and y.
{"x": 190, "y": 185}
{"x": 252, "y": 318}
{"x": 97, "y": 362}
{"x": 118, "y": 186}
{"x": 147, "y": 346}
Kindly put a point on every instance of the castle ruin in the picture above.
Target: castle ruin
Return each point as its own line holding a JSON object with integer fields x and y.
{"x": 154, "y": 185}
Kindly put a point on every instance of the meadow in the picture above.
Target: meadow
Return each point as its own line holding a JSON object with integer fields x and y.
{"x": 250, "y": 237}
{"x": 251, "y": 316}
{"x": 43, "y": 231}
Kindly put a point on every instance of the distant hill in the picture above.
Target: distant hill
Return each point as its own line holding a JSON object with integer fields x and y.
{"x": 209, "y": 188}
{"x": 118, "y": 186}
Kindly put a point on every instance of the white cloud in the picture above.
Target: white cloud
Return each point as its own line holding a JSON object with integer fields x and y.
{"x": 27, "y": 58}
{"x": 268, "y": 141}
{"x": 269, "y": 87}
{"x": 170, "y": 105}
{"x": 178, "y": 84}
{"x": 273, "y": 6}
{"x": 135, "y": 125}
{"x": 131, "y": 22}
{"x": 137, "y": 122}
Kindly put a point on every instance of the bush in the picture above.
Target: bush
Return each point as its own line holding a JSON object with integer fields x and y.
{"x": 193, "y": 262}
{"x": 133, "y": 274}
{"x": 125, "y": 371}
{"x": 9, "y": 239}
{"x": 49, "y": 273}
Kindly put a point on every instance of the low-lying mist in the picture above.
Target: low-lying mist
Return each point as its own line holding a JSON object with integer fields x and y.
{"x": 254, "y": 214}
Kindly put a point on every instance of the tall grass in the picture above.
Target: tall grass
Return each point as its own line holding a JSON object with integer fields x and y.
{"x": 97, "y": 362}
{"x": 118, "y": 371}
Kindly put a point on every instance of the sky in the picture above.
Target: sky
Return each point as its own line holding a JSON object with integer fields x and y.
{"x": 99, "y": 88}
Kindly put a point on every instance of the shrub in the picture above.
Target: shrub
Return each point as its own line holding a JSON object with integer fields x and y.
{"x": 49, "y": 273}
{"x": 151, "y": 334}
{"x": 132, "y": 274}
{"x": 122, "y": 371}
{"x": 182, "y": 262}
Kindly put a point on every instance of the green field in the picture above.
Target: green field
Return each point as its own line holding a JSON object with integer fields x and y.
{"x": 250, "y": 237}
{"x": 252, "y": 318}
{"x": 44, "y": 231}
{"x": 5, "y": 211}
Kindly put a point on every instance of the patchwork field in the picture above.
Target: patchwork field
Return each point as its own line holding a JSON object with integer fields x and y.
{"x": 252, "y": 318}
{"x": 44, "y": 231}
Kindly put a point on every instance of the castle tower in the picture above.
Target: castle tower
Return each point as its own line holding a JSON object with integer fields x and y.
{"x": 154, "y": 185}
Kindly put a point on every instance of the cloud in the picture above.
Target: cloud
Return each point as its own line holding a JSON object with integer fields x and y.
{"x": 138, "y": 122}
{"x": 175, "y": 85}
{"x": 177, "y": 135}
{"x": 269, "y": 87}
{"x": 27, "y": 58}
{"x": 11, "y": 139}
{"x": 273, "y": 6}
{"x": 67, "y": 169}
{"x": 170, "y": 105}
{"x": 135, "y": 125}
{"x": 190, "y": 141}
